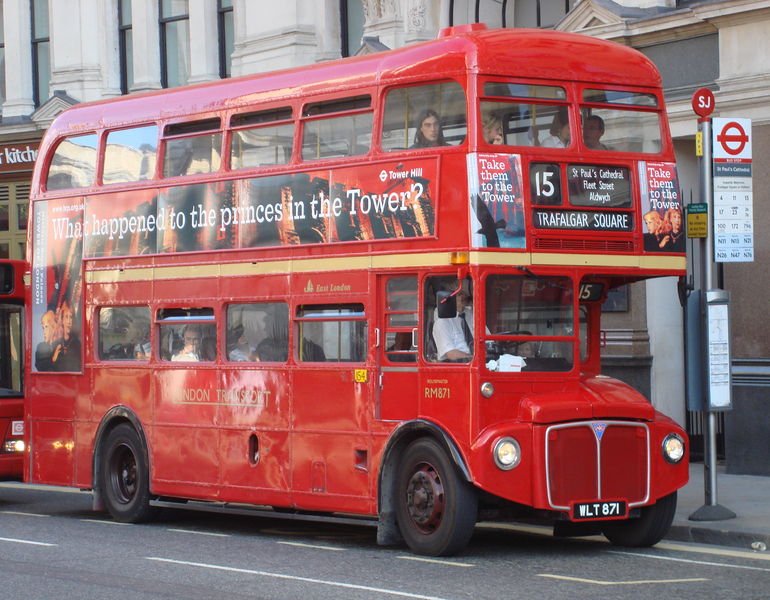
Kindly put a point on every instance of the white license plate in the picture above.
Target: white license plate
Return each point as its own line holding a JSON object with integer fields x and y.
{"x": 585, "y": 511}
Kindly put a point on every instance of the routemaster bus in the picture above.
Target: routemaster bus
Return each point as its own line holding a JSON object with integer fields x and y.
{"x": 11, "y": 369}
{"x": 369, "y": 287}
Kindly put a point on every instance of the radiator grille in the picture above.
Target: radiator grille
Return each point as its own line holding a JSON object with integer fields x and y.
{"x": 595, "y": 460}
{"x": 583, "y": 245}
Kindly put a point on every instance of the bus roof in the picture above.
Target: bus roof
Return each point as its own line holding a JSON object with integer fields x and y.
{"x": 527, "y": 53}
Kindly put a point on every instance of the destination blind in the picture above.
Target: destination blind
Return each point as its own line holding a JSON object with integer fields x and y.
{"x": 583, "y": 220}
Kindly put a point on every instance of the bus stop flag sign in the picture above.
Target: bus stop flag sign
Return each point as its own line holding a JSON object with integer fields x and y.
{"x": 733, "y": 191}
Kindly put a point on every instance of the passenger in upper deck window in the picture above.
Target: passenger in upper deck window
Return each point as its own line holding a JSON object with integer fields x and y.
{"x": 492, "y": 127}
{"x": 559, "y": 131}
{"x": 429, "y": 133}
{"x": 593, "y": 130}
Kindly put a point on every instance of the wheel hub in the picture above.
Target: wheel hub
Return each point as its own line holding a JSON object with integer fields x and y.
{"x": 425, "y": 498}
{"x": 124, "y": 481}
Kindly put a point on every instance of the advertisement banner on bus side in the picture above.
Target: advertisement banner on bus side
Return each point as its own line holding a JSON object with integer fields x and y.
{"x": 57, "y": 285}
{"x": 661, "y": 207}
{"x": 378, "y": 202}
{"x": 496, "y": 201}
{"x": 347, "y": 204}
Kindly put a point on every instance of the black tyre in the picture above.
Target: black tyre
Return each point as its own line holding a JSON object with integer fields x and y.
{"x": 124, "y": 476}
{"x": 436, "y": 510}
{"x": 648, "y": 529}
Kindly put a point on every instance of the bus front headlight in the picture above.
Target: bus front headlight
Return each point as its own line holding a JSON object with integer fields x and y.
{"x": 673, "y": 448}
{"x": 507, "y": 453}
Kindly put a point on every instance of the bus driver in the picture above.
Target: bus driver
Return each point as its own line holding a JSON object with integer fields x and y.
{"x": 453, "y": 336}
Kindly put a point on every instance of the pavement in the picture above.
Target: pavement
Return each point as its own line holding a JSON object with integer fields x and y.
{"x": 748, "y": 496}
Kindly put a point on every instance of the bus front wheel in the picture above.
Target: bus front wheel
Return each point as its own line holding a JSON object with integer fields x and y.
{"x": 124, "y": 476}
{"x": 646, "y": 530}
{"x": 436, "y": 509}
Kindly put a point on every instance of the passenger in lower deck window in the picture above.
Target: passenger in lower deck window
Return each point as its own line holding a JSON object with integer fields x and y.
{"x": 239, "y": 349}
{"x": 191, "y": 350}
{"x": 138, "y": 335}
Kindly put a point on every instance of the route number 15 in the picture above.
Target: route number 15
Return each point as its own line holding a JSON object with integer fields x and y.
{"x": 545, "y": 183}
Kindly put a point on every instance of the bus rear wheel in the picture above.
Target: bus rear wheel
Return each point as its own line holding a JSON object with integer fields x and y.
{"x": 124, "y": 476}
{"x": 646, "y": 530}
{"x": 436, "y": 509}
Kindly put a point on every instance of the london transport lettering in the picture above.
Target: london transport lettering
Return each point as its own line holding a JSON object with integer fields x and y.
{"x": 245, "y": 397}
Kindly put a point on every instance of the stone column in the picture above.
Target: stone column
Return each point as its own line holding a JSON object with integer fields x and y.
{"x": 204, "y": 41}
{"x": 277, "y": 36}
{"x": 421, "y": 23}
{"x": 19, "y": 101}
{"x": 75, "y": 67}
{"x": 664, "y": 322}
{"x": 144, "y": 15}
{"x": 109, "y": 44}
{"x": 383, "y": 19}
{"x": 328, "y": 29}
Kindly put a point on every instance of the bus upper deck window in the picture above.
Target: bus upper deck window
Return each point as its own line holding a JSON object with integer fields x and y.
{"x": 260, "y": 140}
{"x": 424, "y": 116}
{"x": 337, "y": 136}
{"x": 74, "y": 163}
{"x": 513, "y": 120}
{"x": 130, "y": 154}
{"x": 631, "y": 125}
{"x": 192, "y": 154}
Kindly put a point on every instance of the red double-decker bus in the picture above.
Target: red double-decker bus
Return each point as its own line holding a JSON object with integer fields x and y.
{"x": 368, "y": 287}
{"x": 11, "y": 369}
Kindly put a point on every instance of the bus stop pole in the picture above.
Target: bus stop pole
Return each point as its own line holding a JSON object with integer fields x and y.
{"x": 711, "y": 510}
